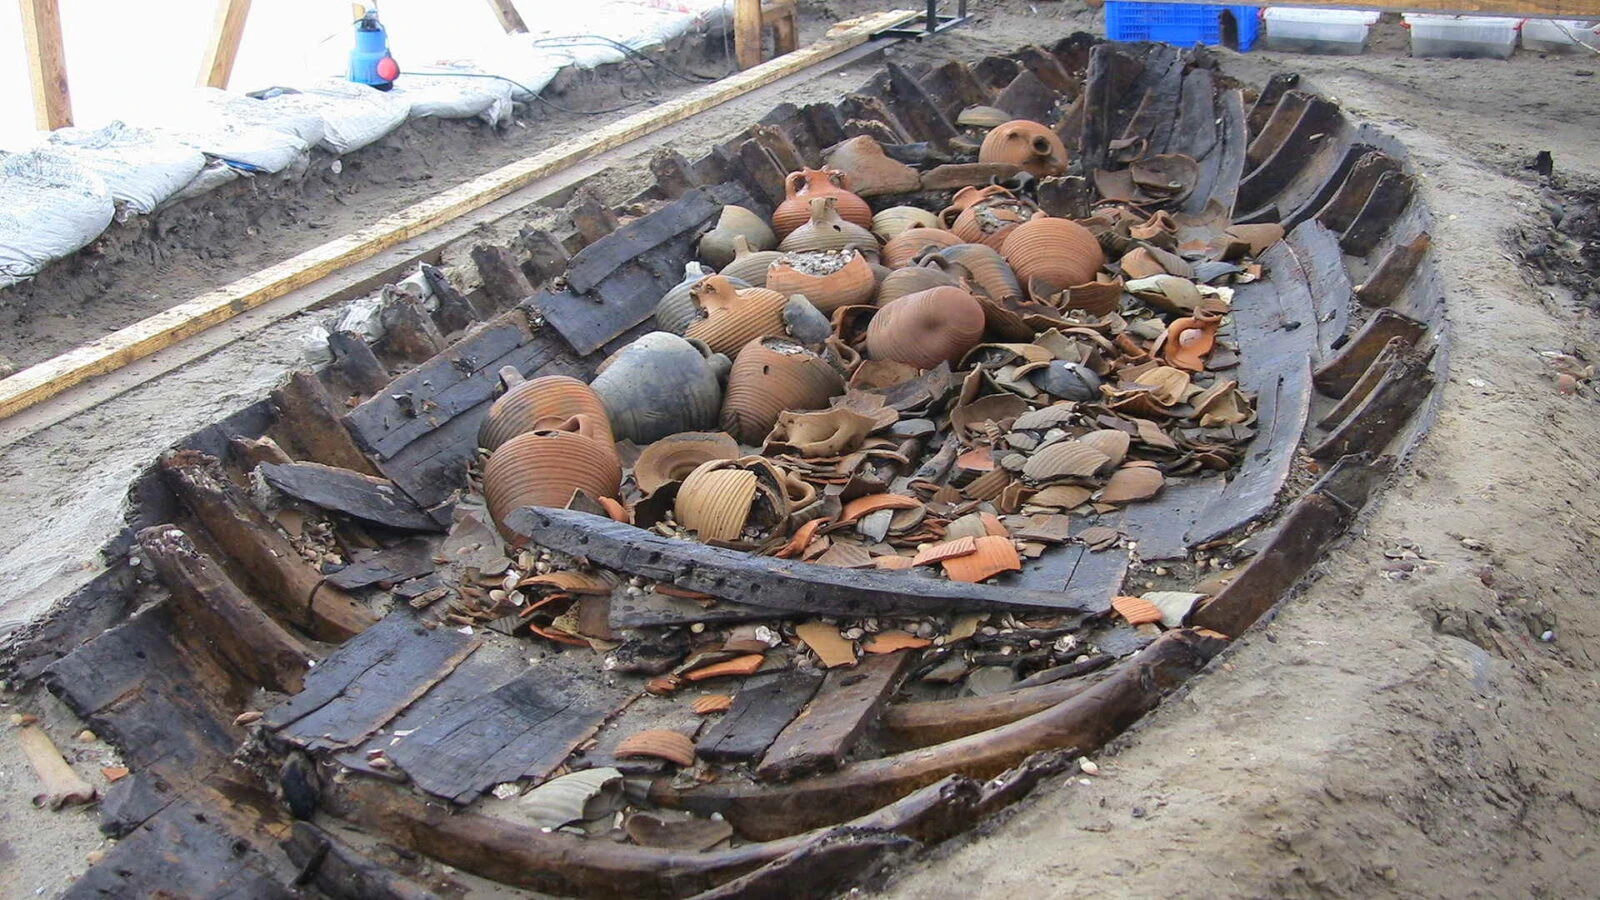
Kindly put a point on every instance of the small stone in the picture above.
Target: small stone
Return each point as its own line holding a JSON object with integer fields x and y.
{"x": 698, "y": 627}
{"x": 1548, "y": 636}
{"x": 1088, "y": 766}
{"x": 87, "y": 737}
{"x": 853, "y": 634}
{"x": 93, "y": 857}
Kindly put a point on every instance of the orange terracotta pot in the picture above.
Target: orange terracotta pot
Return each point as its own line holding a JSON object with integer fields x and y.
{"x": 770, "y": 376}
{"x": 1058, "y": 252}
{"x": 912, "y": 279}
{"x": 855, "y": 282}
{"x": 735, "y": 317}
{"x": 826, "y": 229}
{"x": 986, "y": 215}
{"x": 984, "y": 270}
{"x": 549, "y": 400}
{"x": 870, "y": 172}
{"x": 926, "y": 328}
{"x": 749, "y": 265}
{"x": 903, "y": 249}
{"x": 1037, "y": 149}
{"x": 1189, "y": 341}
{"x": 545, "y": 467}
{"x": 807, "y": 184}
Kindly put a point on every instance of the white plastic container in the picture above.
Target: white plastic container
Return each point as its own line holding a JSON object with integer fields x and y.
{"x": 1466, "y": 37}
{"x": 1558, "y": 35}
{"x": 1296, "y": 30}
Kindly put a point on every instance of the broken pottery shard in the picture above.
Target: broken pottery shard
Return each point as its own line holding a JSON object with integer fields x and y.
{"x": 660, "y": 744}
{"x": 569, "y": 798}
{"x": 826, "y": 642}
{"x": 741, "y": 666}
{"x": 893, "y": 640}
{"x": 712, "y": 703}
{"x": 994, "y": 555}
{"x": 1136, "y": 610}
{"x": 650, "y": 829}
{"x": 947, "y": 550}
{"x": 1132, "y": 483}
{"x": 1174, "y": 605}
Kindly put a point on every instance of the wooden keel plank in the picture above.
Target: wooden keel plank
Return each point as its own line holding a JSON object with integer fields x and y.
{"x": 846, "y": 704}
{"x": 1160, "y": 527}
{"x": 777, "y": 584}
{"x": 1362, "y": 389}
{"x": 1277, "y": 315}
{"x": 367, "y": 682}
{"x": 826, "y": 868}
{"x": 650, "y": 609}
{"x": 1317, "y": 250}
{"x": 1313, "y": 131}
{"x": 765, "y": 705}
{"x": 147, "y": 336}
{"x": 374, "y": 500}
{"x": 1336, "y": 377}
{"x": 1276, "y": 128}
{"x": 281, "y": 579}
{"x": 932, "y": 722}
{"x": 1267, "y": 101}
{"x": 1342, "y": 208}
{"x": 258, "y": 649}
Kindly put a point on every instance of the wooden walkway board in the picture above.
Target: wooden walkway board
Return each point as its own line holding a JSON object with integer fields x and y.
{"x": 822, "y": 736}
{"x": 367, "y": 682}
{"x": 764, "y": 707}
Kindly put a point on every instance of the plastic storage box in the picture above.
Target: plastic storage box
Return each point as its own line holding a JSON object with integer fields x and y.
{"x": 1467, "y": 37}
{"x": 1558, "y": 35}
{"x": 1299, "y": 30}
{"x": 1182, "y": 24}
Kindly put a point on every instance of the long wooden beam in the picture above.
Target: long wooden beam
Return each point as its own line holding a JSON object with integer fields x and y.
{"x": 47, "y": 63}
{"x": 227, "y": 29}
{"x": 44, "y": 380}
{"x": 505, "y": 12}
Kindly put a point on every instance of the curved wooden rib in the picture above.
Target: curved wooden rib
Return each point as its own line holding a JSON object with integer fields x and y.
{"x": 921, "y": 724}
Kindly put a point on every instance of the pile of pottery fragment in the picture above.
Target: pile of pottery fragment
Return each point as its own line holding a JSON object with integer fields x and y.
{"x": 883, "y": 376}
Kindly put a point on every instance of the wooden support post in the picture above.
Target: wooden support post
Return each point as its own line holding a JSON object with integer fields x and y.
{"x": 226, "y": 31}
{"x": 47, "y": 63}
{"x": 310, "y": 424}
{"x": 505, "y": 12}
{"x": 746, "y": 33}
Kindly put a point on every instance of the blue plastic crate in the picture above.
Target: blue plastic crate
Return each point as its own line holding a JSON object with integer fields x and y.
{"x": 1181, "y": 24}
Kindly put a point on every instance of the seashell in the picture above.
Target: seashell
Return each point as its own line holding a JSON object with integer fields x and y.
{"x": 1067, "y": 459}
{"x": 809, "y": 184}
{"x": 547, "y": 400}
{"x": 984, "y": 269}
{"x": 717, "y": 245}
{"x": 926, "y": 328}
{"x": 749, "y": 265}
{"x": 871, "y": 173}
{"x": 661, "y": 384}
{"x": 1056, "y": 252}
{"x": 1137, "y": 610}
{"x": 896, "y": 219}
{"x": 986, "y": 215}
{"x": 735, "y": 317}
{"x": 1034, "y": 147}
{"x": 674, "y": 457}
{"x": 992, "y": 555}
{"x": 982, "y": 117}
{"x": 1133, "y": 483}
{"x": 659, "y": 743}
{"x": 1189, "y": 340}
{"x": 903, "y": 249}
{"x": 826, "y": 229}
{"x": 715, "y": 502}
{"x": 828, "y": 432}
{"x": 912, "y": 279}
{"x": 1110, "y": 441}
{"x": 772, "y": 375}
{"x": 847, "y": 284}
{"x": 545, "y": 467}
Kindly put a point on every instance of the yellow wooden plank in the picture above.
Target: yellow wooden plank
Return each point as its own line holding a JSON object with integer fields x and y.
{"x": 747, "y": 33}
{"x": 226, "y": 31}
{"x": 46, "y": 379}
{"x": 47, "y": 63}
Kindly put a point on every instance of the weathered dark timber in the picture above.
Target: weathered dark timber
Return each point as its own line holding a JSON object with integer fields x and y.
{"x": 787, "y": 119}
{"x": 367, "y": 682}
{"x": 1317, "y": 250}
{"x": 819, "y": 869}
{"x": 408, "y": 559}
{"x": 503, "y": 279}
{"x": 1285, "y": 113}
{"x": 1069, "y": 196}
{"x": 955, "y": 86}
{"x": 1074, "y": 569}
{"x": 133, "y": 801}
{"x": 1388, "y": 282}
{"x": 1346, "y": 204}
{"x": 1083, "y": 723}
{"x": 355, "y": 368}
{"x": 342, "y": 872}
{"x": 1316, "y": 184}
{"x": 456, "y": 311}
{"x": 104, "y": 601}
{"x": 824, "y": 122}
{"x": 363, "y": 497}
{"x": 1026, "y": 97}
{"x": 258, "y": 649}
{"x": 182, "y": 852}
{"x": 1154, "y": 117}
{"x": 1195, "y": 131}
{"x": 650, "y": 609}
{"x": 287, "y": 584}
{"x": 1362, "y": 389}
{"x": 1160, "y": 527}
{"x": 1267, "y": 100}
{"x": 1389, "y": 198}
{"x": 309, "y": 421}
{"x": 1085, "y": 666}
{"x": 1312, "y": 131}
{"x": 929, "y": 722}
{"x": 772, "y": 583}
{"x": 547, "y": 257}
{"x": 1276, "y": 319}
{"x": 825, "y": 733}
{"x": 864, "y": 108}
{"x": 915, "y": 107}
{"x": 765, "y": 705}
{"x": 1382, "y": 415}
{"x": 1296, "y": 543}
{"x": 674, "y": 175}
{"x": 409, "y": 333}
{"x": 593, "y": 217}
{"x": 780, "y": 147}
{"x": 1048, "y": 69}
{"x": 996, "y": 71}
{"x": 1338, "y": 375}
{"x": 957, "y": 175}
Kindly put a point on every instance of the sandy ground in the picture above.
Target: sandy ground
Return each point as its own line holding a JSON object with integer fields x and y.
{"x": 1384, "y": 735}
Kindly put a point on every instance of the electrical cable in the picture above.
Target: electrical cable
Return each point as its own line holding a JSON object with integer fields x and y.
{"x": 536, "y": 94}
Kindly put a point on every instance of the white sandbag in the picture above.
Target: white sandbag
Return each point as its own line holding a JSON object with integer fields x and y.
{"x": 141, "y": 168}
{"x": 314, "y": 347}
{"x": 353, "y": 115}
{"x": 243, "y": 131}
{"x": 215, "y": 174}
{"x": 526, "y": 70}
{"x": 49, "y": 207}
{"x": 456, "y": 91}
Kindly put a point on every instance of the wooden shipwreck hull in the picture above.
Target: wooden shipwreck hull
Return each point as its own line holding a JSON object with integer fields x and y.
{"x": 369, "y": 747}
